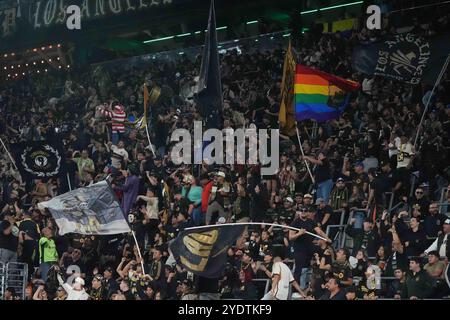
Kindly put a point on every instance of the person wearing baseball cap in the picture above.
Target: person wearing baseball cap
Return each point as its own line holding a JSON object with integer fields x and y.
{"x": 442, "y": 243}
{"x": 307, "y": 199}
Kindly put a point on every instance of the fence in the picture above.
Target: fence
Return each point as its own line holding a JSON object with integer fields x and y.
{"x": 13, "y": 275}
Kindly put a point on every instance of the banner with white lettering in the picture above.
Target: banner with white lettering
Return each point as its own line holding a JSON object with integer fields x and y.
{"x": 404, "y": 57}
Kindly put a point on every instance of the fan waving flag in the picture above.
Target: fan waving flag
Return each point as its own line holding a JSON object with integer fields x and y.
{"x": 204, "y": 251}
{"x": 89, "y": 210}
{"x": 319, "y": 95}
{"x": 286, "y": 116}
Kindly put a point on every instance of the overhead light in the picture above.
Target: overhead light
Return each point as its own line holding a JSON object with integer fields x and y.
{"x": 34, "y": 49}
{"x": 23, "y": 73}
{"x": 59, "y": 46}
{"x": 26, "y": 64}
{"x": 4, "y": 68}
{"x": 49, "y": 60}
{"x": 50, "y": 46}
{"x": 34, "y": 63}
{"x": 5, "y": 55}
{"x": 42, "y": 61}
{"x": 12, "y": 67}
{"x": 183, "y": 35}
{"x": 13, "y": 54}
{"x": 197, "y": 32}
{"x": 236, "y": 40}
{"x": 43, "y": 48}
{"x": 18, "y": 66}
{"x": 252, "y": 22}
{"x": 159, "y": 39}
{"x": 256, "y": 40}
{"x": 332, "y": 7}
{"x": 59, "y": 67}
{"x": 37, "y": 71}
{"x": 181, "y": 53}
{"x": 286, "y": 35}
{"x": 221, "y": 28}
{"x": 46, "y": 70}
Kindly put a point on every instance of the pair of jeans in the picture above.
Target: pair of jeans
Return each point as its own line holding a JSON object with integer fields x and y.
{"x": 7, "y": 256}
{"x": 115, "y": 137}
{"x": 324, "y": 189}
{"x": 44, "y": 269}
{"x": 301, "y": 275}
{"x": 197, "y": 216}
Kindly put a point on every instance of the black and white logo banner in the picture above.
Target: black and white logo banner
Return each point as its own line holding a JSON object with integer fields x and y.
{"x": 38, "y": 159}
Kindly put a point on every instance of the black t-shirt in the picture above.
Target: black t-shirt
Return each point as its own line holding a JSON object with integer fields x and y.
{"x": 303, "y": 246}
{"x": 339, "y": 296}
{"x": 30, "y": 228}
{"x": 377, "y": 186}
{"x": 322, "y": 172}
{"x": 8, "y": 242}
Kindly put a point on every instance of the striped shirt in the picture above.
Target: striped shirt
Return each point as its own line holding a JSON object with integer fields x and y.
{"x": 118, "y": 119}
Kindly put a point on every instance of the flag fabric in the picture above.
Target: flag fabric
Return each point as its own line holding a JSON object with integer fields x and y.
{"x": 404, "y": 57}
{"x": 149, "y": 98}
{"x": 38, "y": 159}
{"x": 204, "y": 251}
{"x": 209, "y": 99}
{"x": 89, "y": 210}
{"x": 286, "y": 116}
{"x": 319, "y": 95}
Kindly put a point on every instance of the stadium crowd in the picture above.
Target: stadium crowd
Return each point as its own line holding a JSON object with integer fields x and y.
{"x": 358, "y": 161}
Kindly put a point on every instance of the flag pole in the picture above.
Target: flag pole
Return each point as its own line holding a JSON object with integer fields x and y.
{"x": 438, "y": 80}
{"x": 148, "y": 137}
{"x": 139, "y": 251}
{"x": 68, "y": 181}
{"x": 303, "y": 154}
{"x": 9, "y": 155}
{"x": 255, "y": 223}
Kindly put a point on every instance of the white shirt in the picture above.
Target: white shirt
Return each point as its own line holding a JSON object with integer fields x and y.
{"x": 404, "y": 153}
{"x": 282, "y": 290}
{"x": 121, "y": 152}
{"x": 442, "y": 249}
{"x": 72, "y": 294}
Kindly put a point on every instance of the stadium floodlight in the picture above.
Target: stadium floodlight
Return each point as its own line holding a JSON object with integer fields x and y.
{"x": 221, "y": 28}
{"x": 332, "y": 7}
{"x": 252, "y": 22}
{"x": 286, "y": 35}
{"x": 197, "y": 32}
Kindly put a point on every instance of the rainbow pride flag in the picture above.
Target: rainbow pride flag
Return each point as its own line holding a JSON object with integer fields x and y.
{"x": 319, "y": 95}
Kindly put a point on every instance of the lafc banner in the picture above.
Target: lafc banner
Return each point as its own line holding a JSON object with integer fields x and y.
{"x": 407, "y": 57}
{"x": 89, "y": 210}
{"x": 38, "y": 159}
{"x": 204, "y": 251}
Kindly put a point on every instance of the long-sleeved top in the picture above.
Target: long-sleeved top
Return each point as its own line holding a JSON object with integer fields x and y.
{"x": 130, "y": 192}
{"x": 72, "y": 294}
{"x": 118, "y": 117}
{"x": 417, "y": 285}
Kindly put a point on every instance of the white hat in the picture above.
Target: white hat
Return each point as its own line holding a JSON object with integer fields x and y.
{"x": 79, "y": 280}
{"x": 289, "y": 199}
{"x": 220, "y": 174}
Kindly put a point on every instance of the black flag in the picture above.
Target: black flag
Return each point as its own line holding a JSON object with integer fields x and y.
{"x": 38, "y": 159}
{"x": 405, "y": 57}
{"x": 209, "y": 98}
{"x": 204, "y": 251}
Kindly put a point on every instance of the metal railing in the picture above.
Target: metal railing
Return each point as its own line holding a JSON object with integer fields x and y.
{"x": 13, "y": 275}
